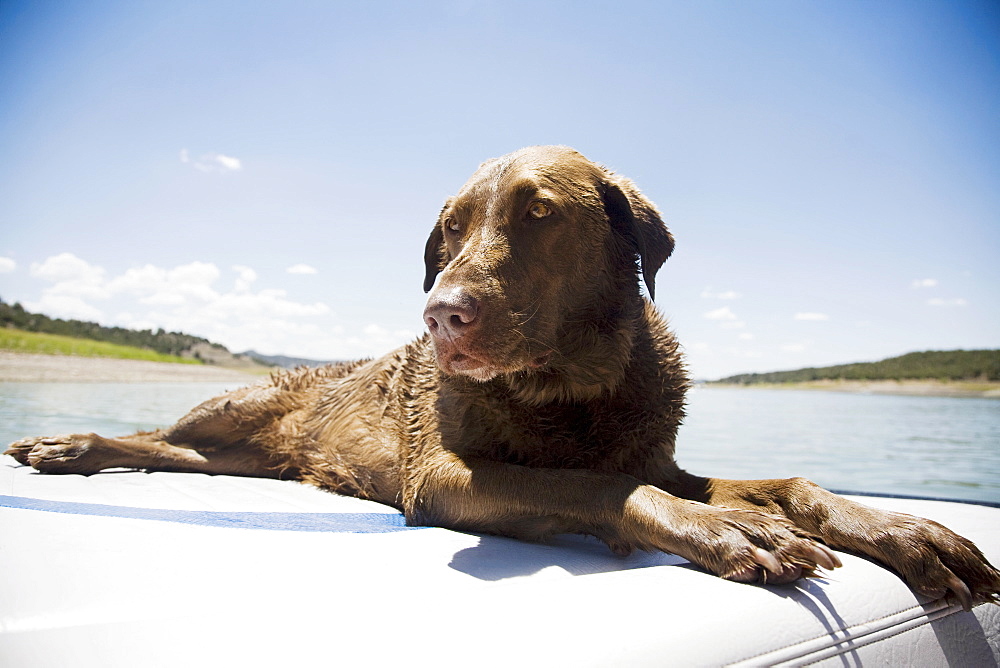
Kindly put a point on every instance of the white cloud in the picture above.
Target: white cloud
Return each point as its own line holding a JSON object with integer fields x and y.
{"x": 937, "y": 301}
{"x": 386, "y": 339}
{"x": 746, "y": 336}
{"x": 925, "y": 283}
{"x": 246, "y": 277}
{"x": 187, "y": 283}
{"x": 230, "y": 163}
{"x": 7, "y": 265}
{"x": 71, "y": 277}
{"x": 230, "y": 307}
{"x": 149, "y": 283}
{"x": 65, "y": 267}
{"x": 339, "y": 343}
{"x": 266, "y": 303}
{"x": 185, "y": 298}
{"x": 212, "y": 162}
{"x": 301, "y": 269}
{"x": 794, "y": 347}
{"x": 816, "y": 317}
{"x": 724, "y": 313}
{"x": 64, "y": 306}
{"x": 707, "y": 293}
{"x": 195, "y": 278}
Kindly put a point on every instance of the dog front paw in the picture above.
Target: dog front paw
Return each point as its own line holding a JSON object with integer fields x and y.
{"x": 76, "y": 453}
{"x": 748, "y": 546}
{"x": 739, "y": 545}
{"x": 935, "y": 561}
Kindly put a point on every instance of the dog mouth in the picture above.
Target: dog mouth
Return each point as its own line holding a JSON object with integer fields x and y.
{"x": 462, "y": 362}
{"x": 451, "y": 360}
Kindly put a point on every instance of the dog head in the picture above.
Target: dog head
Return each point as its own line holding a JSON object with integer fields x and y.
{"x": 537, "y": 251}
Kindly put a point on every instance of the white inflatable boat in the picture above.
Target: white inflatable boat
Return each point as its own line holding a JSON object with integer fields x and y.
{"x": 170, "y": 569}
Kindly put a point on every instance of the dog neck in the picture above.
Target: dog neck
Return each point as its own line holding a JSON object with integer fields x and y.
{"x": 593, "y": 353}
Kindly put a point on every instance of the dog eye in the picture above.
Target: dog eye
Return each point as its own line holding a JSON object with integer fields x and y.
{"x": 539, "y": 210}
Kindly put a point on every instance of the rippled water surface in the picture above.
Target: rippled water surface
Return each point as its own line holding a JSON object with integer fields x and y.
{"x": 926, "y": 446}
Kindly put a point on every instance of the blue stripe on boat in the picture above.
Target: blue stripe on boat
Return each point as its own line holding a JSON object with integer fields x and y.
{"x": 332, "y": 522}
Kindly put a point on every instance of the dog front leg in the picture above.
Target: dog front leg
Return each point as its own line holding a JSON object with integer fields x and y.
{"x": 90, "y": 453}
{"x": 534, "y": 503}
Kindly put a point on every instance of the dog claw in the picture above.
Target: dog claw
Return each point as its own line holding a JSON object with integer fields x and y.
{"x": 777, "y": 573}
{"x": 768, "y": 561}
{"x": 825, "y": 557}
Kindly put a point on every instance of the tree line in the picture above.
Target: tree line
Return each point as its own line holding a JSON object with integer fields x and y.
{"x": 169, "y": 343}
{"x": 931, "y": 364}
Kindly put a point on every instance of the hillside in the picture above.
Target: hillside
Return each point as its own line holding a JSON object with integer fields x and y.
{"x": 171, "y": 345}
{"x": 20, "y": 341}
{"x": 981, "y": 365}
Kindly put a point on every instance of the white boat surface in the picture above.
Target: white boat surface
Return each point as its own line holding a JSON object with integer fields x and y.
{"x": 126, "y": 568}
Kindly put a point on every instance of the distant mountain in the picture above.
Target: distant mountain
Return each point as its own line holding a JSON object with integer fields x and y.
{"x": 284, "y": 361}
{"x": 932, "y": 364}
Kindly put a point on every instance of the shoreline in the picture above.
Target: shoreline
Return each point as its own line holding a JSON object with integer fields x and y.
{"x": 38, "y": 368}
{"x": 18, "y": 367}
{"x": 911, "y": 388}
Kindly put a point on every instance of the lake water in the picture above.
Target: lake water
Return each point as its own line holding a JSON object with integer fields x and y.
{"x": 924, "y": 446}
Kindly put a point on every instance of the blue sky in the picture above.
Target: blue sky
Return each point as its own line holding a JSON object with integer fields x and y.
{"x": 266, "y": 174}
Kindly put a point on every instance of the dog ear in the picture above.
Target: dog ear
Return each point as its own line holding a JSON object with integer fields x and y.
{"x": 436, "y": 252}
{"x": 637, "y": 220}
{"x": 433, "y": 257}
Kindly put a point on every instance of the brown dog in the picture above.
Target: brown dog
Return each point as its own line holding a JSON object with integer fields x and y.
{"x": 545, "y": 400}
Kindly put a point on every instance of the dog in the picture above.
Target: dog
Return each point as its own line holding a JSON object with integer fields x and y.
{"x": 544, "y": 399}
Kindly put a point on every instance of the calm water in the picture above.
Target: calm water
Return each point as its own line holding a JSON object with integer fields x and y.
{"x": 926, "y": 446}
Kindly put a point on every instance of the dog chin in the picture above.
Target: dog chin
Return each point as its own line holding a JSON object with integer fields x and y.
{"x": 478, "y": 370}
{"x": 482, "y": 374}
{"x": 458, "y": 363}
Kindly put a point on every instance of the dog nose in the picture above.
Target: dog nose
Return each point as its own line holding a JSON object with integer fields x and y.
{"x": 451, "y": 314}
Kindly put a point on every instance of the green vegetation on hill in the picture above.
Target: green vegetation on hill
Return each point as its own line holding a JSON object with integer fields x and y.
{"x": 56, "y": 344}
{"x": 166, "y": 343}
{"x": 933, "y": 364}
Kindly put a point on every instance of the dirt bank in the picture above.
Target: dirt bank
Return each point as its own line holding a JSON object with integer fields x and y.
{"x": 24, "y": 367}
{"x": 923, "y": 388}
